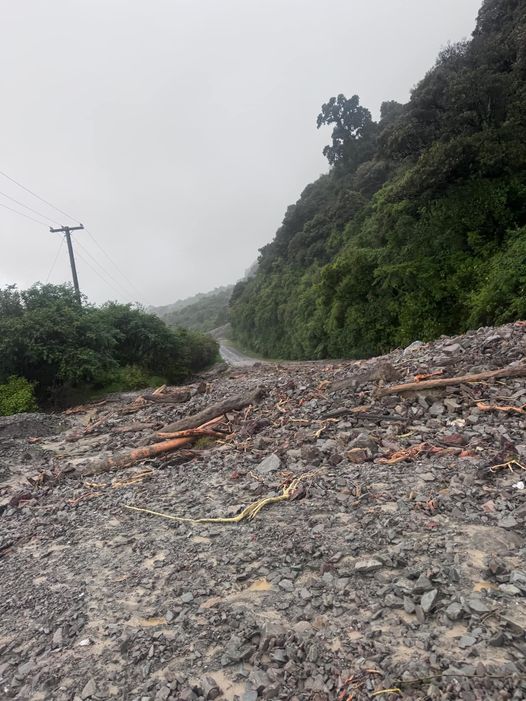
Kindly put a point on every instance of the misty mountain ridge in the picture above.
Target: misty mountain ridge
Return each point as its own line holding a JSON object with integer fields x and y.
{"x": 201, "y": 312}
{"x": 179, "y": 304}
{"x": 204, "y": 311}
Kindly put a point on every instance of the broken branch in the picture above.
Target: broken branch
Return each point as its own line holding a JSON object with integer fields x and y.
{"x": 193, "y": 433}
{"x": 495, "y": 407}
{"x": 203, "y": 430}
{"x": 166, "y": 398}
{"x": 511, "y": 371}
{"x": 415, "y": 451}
{"x": 124, "y": 460}
{"x": 214, "y": 411}
{"x": 428, "y": 375}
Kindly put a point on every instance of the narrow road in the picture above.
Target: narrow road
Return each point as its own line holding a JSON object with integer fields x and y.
{"x": 234, "y": 357}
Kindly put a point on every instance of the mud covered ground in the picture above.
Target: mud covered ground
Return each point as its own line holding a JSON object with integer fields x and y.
{"x": 398, "y": 564}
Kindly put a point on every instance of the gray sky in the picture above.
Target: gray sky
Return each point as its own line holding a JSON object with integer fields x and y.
{"x": 178, "y": 131}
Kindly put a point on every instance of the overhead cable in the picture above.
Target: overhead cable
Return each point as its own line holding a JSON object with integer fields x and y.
{"x": 44, "y": 216}
{"x": 22, "y": 214}
{"x": 82, "y": 258}
{"x": 104, "y": 272}
{"x": 55, "y": 260}
{"x": 50, "y": 204}
{"x": 130, "y": 283}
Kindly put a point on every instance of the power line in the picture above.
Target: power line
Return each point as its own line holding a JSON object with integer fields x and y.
{"x": 97, "y": 273}
{"x": 44, "y": 216}
{"x": 22, "y": 214}
{"x": 55, "y": 260}
{"x": 50, "y": 204}
{"x": 133, "y": 287}
{"x": 129, "y": 282}
{"x": 110, "y": 275}
{"x": 106, "y": 272}
{"x": 66, "y": 231}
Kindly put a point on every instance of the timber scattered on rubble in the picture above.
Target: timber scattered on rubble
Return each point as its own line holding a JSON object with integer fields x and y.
{"x": 387, "y": 551}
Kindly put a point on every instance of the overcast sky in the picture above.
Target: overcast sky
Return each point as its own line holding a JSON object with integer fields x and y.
{"x": 178, "y": 131}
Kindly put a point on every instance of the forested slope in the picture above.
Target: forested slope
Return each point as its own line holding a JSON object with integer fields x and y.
{"x": 206, "y": 312}
{"x": 419, "y": 228}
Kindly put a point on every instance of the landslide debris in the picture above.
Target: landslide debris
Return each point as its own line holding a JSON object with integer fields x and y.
{"x": 397, "y": 563}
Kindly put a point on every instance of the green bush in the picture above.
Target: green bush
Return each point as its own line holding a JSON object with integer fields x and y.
{"x": 129, "y": 378}
{"x": 16, "y": 396}
{"x": 63, "y": 347}
{"x": 502, "y": 293}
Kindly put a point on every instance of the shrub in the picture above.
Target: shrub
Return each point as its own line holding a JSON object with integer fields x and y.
{"x": 63, "y": 347}
{"x": 502, "y": 293}
{"x": 16, "y": 395}
{"x": 129, "y": 378}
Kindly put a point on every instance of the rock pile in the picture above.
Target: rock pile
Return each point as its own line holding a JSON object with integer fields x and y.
{"x": 398, "y": 564}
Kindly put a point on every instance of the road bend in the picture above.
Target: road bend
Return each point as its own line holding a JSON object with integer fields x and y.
{"x": 234, "y": 357}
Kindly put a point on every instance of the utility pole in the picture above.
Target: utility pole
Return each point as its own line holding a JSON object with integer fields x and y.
{"x": 66, "y": 230}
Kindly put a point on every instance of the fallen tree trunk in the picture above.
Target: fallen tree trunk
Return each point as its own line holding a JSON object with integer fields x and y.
{"x": 201, "y": 423}
{"x": 204, "y": 430}
{"x": 193, "y": 433}
{"x": 510, "y": 371}
{"x": 214, "y": 410}
{"x": 121, "y": 461}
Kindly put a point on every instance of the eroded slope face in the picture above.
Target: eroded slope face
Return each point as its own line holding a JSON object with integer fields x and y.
{"x": 400, "y": 557}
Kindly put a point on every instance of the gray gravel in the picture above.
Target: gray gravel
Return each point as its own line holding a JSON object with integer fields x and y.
{"x": 375, "y": 575}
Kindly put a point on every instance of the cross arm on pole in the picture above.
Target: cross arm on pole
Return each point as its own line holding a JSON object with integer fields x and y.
{"x": 66, "y": 230}
{"x": 62, "y": 229}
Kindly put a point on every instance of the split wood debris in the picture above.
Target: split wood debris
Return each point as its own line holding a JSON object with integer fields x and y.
{"x": 495, "y": 407}
{"x": 232, "y": 404}
{"x": 415, "y": 451}
{"x": 510, "y": 371}
{"x": 179, "y": 434}
{"x": 206, "y": 423}
{"x": 211, "y": 422}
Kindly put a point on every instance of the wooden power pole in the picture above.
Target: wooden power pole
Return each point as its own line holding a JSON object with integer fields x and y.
{"x": 66, "y": 230}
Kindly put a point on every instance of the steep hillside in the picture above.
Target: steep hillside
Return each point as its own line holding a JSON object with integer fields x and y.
{"x": 419, "y": 228}
{"x": 203, "y": 312}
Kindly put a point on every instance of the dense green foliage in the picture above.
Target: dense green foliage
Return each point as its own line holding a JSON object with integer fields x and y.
{"x": 55, "y": 344}
{"x": 16, "y": 395}
{"x": 206, "y": 312}
{"x": 419, "y": 228}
